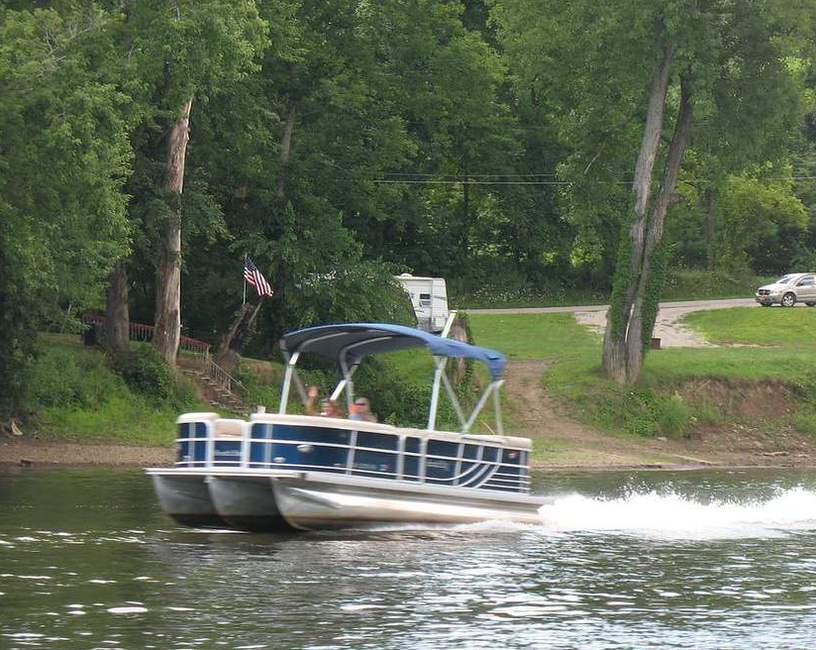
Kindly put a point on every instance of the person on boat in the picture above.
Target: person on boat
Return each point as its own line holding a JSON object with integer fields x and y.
{"x": 311, "y": 398}
{"x": 361, "y": 410}
{"x": 329, "y": 408}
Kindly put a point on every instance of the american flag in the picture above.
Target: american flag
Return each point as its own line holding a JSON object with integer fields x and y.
{"x": 256, "y": 279}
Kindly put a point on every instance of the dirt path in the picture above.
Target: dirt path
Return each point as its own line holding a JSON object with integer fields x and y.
{"x": 668, "y": 328}
{"x": 565, "y": 442}
{"x": 561, "y": 441}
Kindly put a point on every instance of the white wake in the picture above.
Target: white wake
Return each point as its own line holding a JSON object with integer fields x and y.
{"x": 671, "y": 515}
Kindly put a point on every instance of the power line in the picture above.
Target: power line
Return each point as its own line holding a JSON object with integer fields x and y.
{"x": 469, "y": 180}
{"x": 416, "y": 181}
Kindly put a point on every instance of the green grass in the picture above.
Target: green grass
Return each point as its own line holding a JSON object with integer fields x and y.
{"x": 532, "y": 336}
{"x": 119, "y": 419}
{"x": 75, "y": 396}
{"x": 654, "y": 406}
{"x": 756, "y": 326}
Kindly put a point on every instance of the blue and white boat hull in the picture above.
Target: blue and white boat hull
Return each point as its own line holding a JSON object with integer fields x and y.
{"x": 290, "y": 500}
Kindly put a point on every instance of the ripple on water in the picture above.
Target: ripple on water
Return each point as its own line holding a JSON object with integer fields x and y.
{"x": 130, "y": 609}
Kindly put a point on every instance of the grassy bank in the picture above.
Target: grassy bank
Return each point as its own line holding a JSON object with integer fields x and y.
{"x": 680, "y": 285}
{"x": 681, "y": 389}
{"x": 76, "y": 396}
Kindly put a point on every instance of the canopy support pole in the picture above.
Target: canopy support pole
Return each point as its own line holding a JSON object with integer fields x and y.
{"x": 349, "y": 384}
{"x": 482, "y": 401}
{"x": 287, "y": 382}
{"x": 454, "y": 400}
{"x": 448, "y": 324}
{"x": 497, "y": 408}
{"x": 440, "y": 369}
{"x": 341, "y": 385}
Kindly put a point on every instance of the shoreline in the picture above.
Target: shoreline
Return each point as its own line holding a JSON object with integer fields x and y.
{"x": 55, "y": 453}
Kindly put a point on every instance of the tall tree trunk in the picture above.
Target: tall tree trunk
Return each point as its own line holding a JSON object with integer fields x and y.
{"x": 709, "y": 200}
{"x": 643, "y": 314}
{"x": 117, "y": 314}
{"x": 231, "y": 345}
{"x": 286, "y": 151}
{"x": 632, "y": 246}
{"x": 168, "y": 286}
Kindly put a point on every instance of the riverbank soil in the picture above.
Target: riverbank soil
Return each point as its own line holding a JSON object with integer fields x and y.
{"x": 561, "y": 441}
{"x": 32, "y": 451}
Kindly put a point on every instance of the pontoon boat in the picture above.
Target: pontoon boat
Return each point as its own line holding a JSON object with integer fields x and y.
{"x": 299, "y": 472}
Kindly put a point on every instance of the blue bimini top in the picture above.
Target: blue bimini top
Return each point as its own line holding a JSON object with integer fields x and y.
{"x": 351, "y": 342}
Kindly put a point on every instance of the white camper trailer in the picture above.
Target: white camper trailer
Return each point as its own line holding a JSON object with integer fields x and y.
{"x": 429, "y": 297}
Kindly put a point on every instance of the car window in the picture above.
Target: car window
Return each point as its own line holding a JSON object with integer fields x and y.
{"x": 785, "y": 279}
{"x": 806, "y": 281}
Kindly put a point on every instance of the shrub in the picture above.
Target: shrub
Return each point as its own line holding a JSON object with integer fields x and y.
{"x": 68, "y": 377}
{"x": 643, "y": 412}
{"x": 145, "y": 372}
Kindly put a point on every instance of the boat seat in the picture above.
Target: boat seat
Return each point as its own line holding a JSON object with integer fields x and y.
{"x": 197, "y": 417}
{"x": 229, "y": 428}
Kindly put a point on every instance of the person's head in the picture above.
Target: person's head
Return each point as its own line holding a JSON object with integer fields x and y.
{"x": 362, "y": 405}
{"x": 330, "y": 408}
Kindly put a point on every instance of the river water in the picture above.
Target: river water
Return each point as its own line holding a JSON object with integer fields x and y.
{"x": 621, "y": 560}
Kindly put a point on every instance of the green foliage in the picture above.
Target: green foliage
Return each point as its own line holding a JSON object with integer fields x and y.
{"x": 642, "y": 411}
{"x": 654, "y": 291}
{"x": 623, "y": 278}
{"x": 696, "y": 284}
{"x": 399, "y": 394}
{"x": 70, "y": 377}
{"x": 489, "y": 143}
{"x": 763, "y": 223}
{"x": 143, "y": 370}
{"x": 74, "y": 394}
{"x": 64, "y": 157}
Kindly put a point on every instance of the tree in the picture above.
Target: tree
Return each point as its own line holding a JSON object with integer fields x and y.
{"x": 763, "y": 223}
{"x": 64, "y": 158}
{"x": 631, "y": 65}
{"x": 172, "y": 50}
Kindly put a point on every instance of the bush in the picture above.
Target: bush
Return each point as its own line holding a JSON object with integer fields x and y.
{"x": 68, "y": 377}
{"x": 698, "y": 284}
{"x": 146, "y": 373}
{"x": 643, "y": 412}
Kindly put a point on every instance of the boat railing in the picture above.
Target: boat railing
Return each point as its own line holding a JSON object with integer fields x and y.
{"x": 201, "y": 446}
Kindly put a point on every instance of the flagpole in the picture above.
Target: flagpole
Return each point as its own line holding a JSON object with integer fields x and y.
{"x": 243, "y": 274}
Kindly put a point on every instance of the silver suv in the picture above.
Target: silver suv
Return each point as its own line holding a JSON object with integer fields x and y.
{"x": 788, "y": 290}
